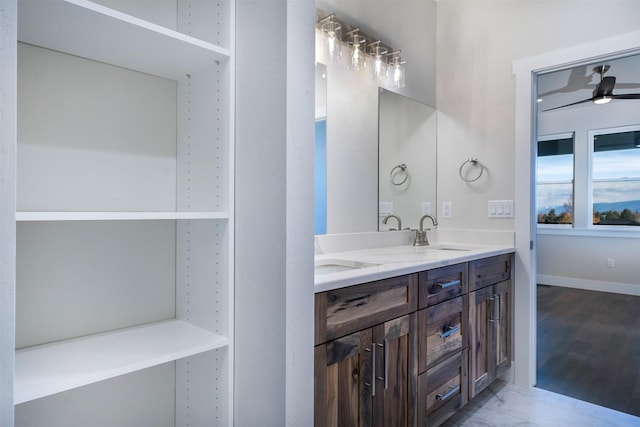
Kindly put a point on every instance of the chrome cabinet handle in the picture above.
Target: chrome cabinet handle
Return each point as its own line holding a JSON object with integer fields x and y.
{"x": 452, "y": 330}
{"x": 373, "y": 370}
{"x": 386, "y": 364}
{"x": 384, "y": 373}
{"x": 498, "y": 303}
{"x": 448, "y": 394}
{"x": 448, "y": 284}
{"x": 492, "y": 309}
{"x": 372, "y": 384}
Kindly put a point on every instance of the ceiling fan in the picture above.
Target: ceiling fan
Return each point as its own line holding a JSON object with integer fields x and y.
{"x": 603, "y": 92}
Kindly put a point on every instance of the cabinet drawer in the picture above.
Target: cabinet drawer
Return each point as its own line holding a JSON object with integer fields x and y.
{"x": 489, "y": 271}
{"x": 346, "y": 310}
{"x": 442, "y": 390}
{"x": 442, "y": 331}
{"x": 441, "y": 284}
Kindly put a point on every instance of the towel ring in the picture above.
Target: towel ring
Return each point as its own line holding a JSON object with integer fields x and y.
{"x": 399, "y": 174}
{"x": 473, "y": 162}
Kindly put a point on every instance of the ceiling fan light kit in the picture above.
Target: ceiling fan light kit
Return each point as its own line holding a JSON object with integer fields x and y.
{"x": 603, "y": 93}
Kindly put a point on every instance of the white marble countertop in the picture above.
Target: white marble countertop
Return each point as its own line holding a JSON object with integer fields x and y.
{"x": 340, "y": 269}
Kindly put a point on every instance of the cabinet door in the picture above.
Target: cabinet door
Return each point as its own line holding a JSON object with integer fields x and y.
{"x": 482, "y": 340}
{"x": 396, "y": 372}
{"x": 502, "y": 300}
{"x": 343, "y": 381}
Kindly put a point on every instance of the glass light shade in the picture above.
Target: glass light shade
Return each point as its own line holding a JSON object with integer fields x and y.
{"x": 397, "y": 72}
{"x": 333, "y": 40}
{"x": 378, "y": 62}
{"x": 357, "y": 56}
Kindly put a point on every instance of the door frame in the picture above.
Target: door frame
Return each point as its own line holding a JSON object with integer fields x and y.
{"x": 526, "y": 71}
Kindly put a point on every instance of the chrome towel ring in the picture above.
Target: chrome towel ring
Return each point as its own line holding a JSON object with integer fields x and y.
{"x": 399, "y": 174}
{"x": 473, "y": 163}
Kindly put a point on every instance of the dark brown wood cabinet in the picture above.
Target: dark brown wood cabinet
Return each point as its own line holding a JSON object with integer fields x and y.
{"x": 368, "y": 377}
{"x": 490, "y": 327}
{"x": 442, "y": 390}
{"x": 412, "y": 350}
{"x": 442, "y": 343}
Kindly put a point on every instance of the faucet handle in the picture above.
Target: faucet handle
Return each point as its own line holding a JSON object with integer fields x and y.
{"x": 421, "y": 238}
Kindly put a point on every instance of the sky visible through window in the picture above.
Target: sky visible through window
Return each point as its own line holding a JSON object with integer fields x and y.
{"x": 555, "y": 187}
{"x": 615, "y": 182}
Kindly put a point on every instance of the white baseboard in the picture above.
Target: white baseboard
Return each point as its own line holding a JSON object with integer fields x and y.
{"x": 592, "y": 285}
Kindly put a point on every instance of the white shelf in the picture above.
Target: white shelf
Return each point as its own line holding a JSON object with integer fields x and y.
{"x": 92, "y": 31}
{"x": 115, "y": 216}
{"x": 52, "y": 368}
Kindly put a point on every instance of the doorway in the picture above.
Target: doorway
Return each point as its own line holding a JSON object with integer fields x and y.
{"x": 588, "y": 190}
{"x": 526, "y": 240}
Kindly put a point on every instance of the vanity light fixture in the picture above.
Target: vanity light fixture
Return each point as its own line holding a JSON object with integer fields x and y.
{"x": 355, "y": 42}
{"x": 397, "y": 70}
{"x": 332, "y": 31}
{"x": 378, "y": 60}
{"x": 364, "y": 51}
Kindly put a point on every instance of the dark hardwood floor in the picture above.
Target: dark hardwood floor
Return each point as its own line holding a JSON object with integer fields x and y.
{"x": 589, "y": 346}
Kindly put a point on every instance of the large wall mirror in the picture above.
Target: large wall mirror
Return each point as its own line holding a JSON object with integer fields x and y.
{"x": 351, "y": 100}
{"x": 407, "y": 160}
{"x": 362, "y": 133}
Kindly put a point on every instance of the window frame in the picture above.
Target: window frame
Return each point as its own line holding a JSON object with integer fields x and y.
{"x": 591, "y": 134}
{"x": 549, "y": 137}
{"x": 584, "y": 180}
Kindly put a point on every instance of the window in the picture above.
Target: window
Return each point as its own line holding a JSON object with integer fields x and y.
{"x": 555, "y": 179}
{"x": 615, "y": 176}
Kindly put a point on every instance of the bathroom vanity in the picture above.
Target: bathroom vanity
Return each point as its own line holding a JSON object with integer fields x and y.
{"x": 410, "y": 340}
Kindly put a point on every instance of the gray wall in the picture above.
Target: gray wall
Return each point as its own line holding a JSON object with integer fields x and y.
{"x": 8, "y": 46}
{"x": 274, "y": 213}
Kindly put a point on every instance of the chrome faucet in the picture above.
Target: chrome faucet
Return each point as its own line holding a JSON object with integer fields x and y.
{"x": 386, "y": 218}
{"x": 421, "y": 234}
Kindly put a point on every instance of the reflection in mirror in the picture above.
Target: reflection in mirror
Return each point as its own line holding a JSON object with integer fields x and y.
{"x": 320, "y": 210}
{"x": 407, "y": 160}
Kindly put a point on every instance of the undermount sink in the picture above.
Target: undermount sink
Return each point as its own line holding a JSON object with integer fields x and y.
{"x": 327, "y": 266}
{"x": 449, "y": 248}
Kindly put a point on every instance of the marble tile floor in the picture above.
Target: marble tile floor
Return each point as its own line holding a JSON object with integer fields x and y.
{"x": 506, "y": 405}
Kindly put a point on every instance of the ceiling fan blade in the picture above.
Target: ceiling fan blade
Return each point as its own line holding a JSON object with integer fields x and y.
{"x": 605, "y": 88}
{"x": 568, "y": 105}
{"x": 626, "y": 96}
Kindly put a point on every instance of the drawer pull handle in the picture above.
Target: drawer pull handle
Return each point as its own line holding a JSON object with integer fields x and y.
{"x": 448, "y": 394}
{"x": 452, "y": 330}
{"x": 448, "y": 284}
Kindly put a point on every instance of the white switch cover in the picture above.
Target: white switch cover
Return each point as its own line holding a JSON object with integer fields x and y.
{"x": 447, "y": 208}
{"x": 385, "y": 208}
{"x": 500, "y": 208}
{"x": 426, "y": 208}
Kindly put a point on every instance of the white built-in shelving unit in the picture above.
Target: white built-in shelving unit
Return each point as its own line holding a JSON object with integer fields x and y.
{"x": 124, "y": 271}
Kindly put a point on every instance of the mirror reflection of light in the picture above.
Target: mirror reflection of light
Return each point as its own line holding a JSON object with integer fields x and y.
{"x": 332, "y": 43}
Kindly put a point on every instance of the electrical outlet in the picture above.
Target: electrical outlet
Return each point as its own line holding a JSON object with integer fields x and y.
{"x": 385, "y": 208}
{"x": 447, "y": 208}
{"x": 426, "y": 208}
{"x": 611, "y": 262}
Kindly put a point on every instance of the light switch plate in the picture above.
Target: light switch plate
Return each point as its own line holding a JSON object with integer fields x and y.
{"x": 500, "y": 208}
